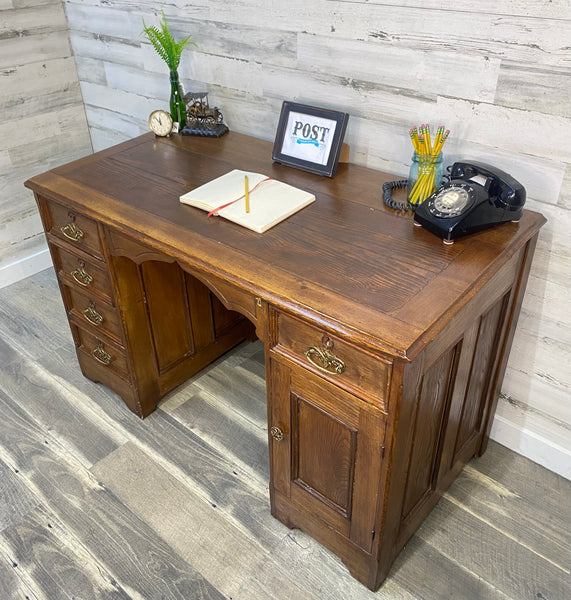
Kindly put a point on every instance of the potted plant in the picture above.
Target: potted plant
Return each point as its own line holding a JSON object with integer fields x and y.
{"x": 170, "y": 51}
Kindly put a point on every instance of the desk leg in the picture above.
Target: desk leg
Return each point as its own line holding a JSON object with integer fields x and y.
{"x": 173, "y": 327}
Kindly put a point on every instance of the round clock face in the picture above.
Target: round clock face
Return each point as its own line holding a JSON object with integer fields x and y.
{"x": 160, "y": 123}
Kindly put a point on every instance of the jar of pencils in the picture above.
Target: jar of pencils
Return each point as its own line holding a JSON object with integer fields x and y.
{"x": 425, "y": 177}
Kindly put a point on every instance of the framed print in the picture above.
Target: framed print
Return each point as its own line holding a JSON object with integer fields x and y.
{"x": 310, "y": 138}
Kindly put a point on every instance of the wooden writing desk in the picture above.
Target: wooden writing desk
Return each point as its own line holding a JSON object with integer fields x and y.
{"x": 385, "y": 349}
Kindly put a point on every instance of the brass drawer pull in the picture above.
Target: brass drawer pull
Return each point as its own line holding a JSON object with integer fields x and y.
{"x": 323, "y": 359}
{"x": 99, "y": 354}
{"x": 277, "y": 434}
{"x": 82, "y": 277}
{"x": 92, "y": 315}
{"x": 72, "y": 232}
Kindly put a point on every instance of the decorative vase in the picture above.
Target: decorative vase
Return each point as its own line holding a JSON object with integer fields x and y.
{"x": 177, "y": 105}
{"x": 425, "y": 177}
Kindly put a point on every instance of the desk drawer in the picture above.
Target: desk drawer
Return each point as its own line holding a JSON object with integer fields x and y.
{"x": 91, "y": 311}
{"x": 74, "y": 228}
{"x": 101, "y": 350}
{"x": 81, "y": 272}
{"x": 347, "y": 366}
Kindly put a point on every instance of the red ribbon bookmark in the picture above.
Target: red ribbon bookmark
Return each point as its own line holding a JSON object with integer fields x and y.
{"x": 214, "y": 211}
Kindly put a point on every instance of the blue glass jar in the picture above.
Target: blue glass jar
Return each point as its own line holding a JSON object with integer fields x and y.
{"x": 424, "y": 178}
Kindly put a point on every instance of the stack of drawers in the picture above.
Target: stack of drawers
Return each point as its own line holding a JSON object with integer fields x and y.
{"x": 84, "y": 276}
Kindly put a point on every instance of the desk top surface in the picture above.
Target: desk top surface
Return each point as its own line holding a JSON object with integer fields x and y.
{"x": 346, "y": 261}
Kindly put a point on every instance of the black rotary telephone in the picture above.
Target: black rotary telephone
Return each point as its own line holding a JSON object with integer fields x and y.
{"x": 477, "y": 196}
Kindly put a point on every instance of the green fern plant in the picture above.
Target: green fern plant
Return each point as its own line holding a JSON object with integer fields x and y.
{"x": 164, "y": 43}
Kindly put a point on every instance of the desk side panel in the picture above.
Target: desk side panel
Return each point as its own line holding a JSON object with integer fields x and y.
{"x": 449, "y": 394}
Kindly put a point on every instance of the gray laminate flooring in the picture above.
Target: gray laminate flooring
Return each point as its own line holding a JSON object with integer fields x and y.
{"x": 95, "y": 503}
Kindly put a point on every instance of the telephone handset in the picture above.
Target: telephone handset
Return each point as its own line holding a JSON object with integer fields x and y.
{"x": 477, "y": 196}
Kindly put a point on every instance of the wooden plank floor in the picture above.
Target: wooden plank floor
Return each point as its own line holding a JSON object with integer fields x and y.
{"x": 95, "y": 503}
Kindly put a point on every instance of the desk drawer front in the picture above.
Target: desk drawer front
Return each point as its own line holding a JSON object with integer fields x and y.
{"x": 343, "y": 364}
{"x": 82, "y": 273}
{"x": 102, "y": 350}
{"x": 74, "y": 228}
{"x": 92, "y": 311}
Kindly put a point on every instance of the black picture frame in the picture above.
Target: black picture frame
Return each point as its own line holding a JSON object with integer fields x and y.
{"x": 309, "y": 138}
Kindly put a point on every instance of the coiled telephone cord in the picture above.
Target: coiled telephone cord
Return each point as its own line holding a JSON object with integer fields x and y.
{"x": 388, "y": 188}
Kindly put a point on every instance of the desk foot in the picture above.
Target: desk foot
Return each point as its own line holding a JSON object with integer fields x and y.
{"x": 362, "y": 565}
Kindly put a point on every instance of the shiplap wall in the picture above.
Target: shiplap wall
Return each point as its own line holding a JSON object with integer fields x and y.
{"x": 496, "y": 72}
{"x": 42, "y": 123}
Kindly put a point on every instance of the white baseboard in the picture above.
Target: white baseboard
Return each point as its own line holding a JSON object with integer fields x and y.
{"x": 25, "y": 267}
{"x": 533, "y": 435}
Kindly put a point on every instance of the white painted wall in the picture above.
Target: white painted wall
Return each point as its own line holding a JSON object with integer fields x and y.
{"x": 43, "y": 123}
{"x": 497, "y": 72}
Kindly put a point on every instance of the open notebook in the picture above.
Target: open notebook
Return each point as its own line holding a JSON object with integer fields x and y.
{"x": 271, "y": 201}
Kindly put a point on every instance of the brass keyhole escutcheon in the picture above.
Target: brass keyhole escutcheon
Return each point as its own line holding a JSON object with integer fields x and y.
{"x": 327, "y": 342}
{"x": 277, "y": 434}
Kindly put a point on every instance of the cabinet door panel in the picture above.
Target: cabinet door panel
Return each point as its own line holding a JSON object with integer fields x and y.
{"x": 329, "y": 460}
{"x": 324, "y": 449}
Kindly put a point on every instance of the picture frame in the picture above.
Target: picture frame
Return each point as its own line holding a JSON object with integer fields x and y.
{"x": 309, "y": 138}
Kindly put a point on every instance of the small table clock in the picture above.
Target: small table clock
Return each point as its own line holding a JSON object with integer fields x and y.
{"x": 161, "y": 123}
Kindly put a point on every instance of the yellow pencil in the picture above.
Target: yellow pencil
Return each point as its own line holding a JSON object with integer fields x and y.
{"x": 247, "y": 194}
{"x": 441, "y": 143}
{"x": 427, "y": 138}
{"x": 414, "y": 137}
{"x": 436, "y": 145}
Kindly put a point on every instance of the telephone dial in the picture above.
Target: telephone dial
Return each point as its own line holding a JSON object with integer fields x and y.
{"x": 477, "y": 196}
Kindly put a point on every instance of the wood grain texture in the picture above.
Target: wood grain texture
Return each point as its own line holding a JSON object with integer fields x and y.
{"x": 502, "y": 507}
{"x": 390, "y": 65}
{"x": 7, "y": 353}
{"x": 415, "y": 277}
{"x": 34, "y": 323}
{"x": 53, "y": 563}
{"x": 40, "y": 94}
{"x": 545, "y": 578}
{"x": 54, "y": 406}
{"x": 12, "y": 587}
{"x": 334, "y": 472}
{"x": 201, "y": 532}
{"x": 530, "y": 8}
{"x": 17, "y": 499}
{"x": 148, "y": 567}
{"x": 382, "y": 62}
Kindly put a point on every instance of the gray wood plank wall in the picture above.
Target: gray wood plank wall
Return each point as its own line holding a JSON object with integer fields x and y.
{"x": 43, "y": 120}
{"x": 496, "y": 72}
{"x": 98, "y": 504}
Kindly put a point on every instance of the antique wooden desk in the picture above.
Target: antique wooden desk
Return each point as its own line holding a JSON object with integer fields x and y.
{"x": 385, "y": 349}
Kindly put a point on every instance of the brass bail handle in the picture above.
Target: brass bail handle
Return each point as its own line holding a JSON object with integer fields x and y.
{"x": 323, "y": 359}
{"x": 81, "y": 276}
{"x": 91, "y": 314}
{"x": 99, "y": 354}
{"x": 71, "y": 231}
